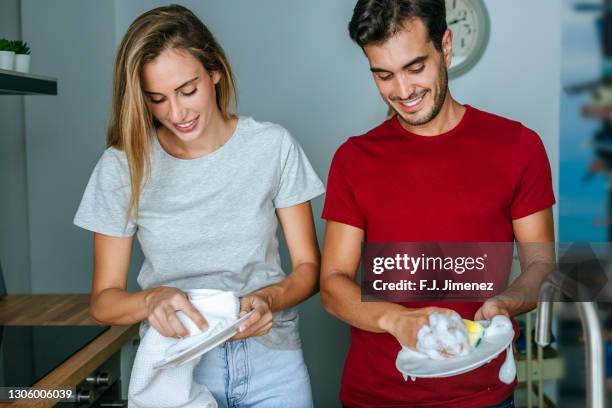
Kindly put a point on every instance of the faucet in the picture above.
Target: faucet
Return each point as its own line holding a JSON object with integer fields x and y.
{"x": 595, "y": 381}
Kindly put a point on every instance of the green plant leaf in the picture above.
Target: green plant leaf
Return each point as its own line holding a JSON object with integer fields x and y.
{"x": 5, "y": 45}
{"x": 20, "y": 47}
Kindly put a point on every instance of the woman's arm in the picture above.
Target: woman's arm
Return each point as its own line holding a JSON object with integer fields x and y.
{"x": 111, "y": 304}
{"x": 299, "y": 230}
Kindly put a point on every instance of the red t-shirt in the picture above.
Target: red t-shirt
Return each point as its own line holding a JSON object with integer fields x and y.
{"x": 465, "y": 185}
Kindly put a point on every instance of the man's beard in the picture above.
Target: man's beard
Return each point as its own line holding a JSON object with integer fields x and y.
{"x": 438, "y": 101}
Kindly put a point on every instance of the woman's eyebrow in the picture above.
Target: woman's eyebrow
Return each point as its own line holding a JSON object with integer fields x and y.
{"x": 176, "y": 89}
{"x": 186, "y": 83}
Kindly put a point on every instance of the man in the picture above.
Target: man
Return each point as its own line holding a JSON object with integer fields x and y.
{"x": 437, "y": 171}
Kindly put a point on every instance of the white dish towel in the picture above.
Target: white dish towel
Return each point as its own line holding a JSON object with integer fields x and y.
{"x": 174, "y": 387}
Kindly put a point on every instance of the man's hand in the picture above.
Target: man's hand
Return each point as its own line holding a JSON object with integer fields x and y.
{"x": 260, "y": 322}
{"x": 405, "y": 325}
{"x": 492, "y": 307}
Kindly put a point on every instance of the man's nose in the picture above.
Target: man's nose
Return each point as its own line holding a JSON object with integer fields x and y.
{"x": 403, "y": 88}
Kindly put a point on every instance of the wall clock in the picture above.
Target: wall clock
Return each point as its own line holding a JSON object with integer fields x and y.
{"x": 470, "y": 24}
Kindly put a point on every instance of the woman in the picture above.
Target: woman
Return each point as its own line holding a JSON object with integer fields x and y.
{"x": 202, "y": 189}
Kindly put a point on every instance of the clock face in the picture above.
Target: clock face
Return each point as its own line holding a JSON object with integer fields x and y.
{"x": 469, "y": 22}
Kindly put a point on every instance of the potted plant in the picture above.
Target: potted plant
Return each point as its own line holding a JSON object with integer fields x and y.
{"x": 22, "y": 56}
{"x": 7, "y": 54}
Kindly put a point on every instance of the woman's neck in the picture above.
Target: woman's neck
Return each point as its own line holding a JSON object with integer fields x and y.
{"x": 217, "y": 132}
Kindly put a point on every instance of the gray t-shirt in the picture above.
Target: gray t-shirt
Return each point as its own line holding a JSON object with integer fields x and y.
{"x": 209, "y": 222}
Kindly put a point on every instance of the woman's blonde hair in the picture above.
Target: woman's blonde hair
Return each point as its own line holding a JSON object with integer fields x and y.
{"x": 131, "y": 122}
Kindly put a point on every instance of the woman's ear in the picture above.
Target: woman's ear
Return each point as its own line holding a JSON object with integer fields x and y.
{"x": 216, "y": 77}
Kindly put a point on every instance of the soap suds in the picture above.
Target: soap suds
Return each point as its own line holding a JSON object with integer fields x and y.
{"x": 447, "y": 337}
{"x": 444, "y": 337}
{"x": 499, "y": 325}
{"x": 507, "y": 372}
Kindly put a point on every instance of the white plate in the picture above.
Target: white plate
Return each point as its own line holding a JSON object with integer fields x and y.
{"x": 487, "y": 350}
{"x": 198, "y": 349}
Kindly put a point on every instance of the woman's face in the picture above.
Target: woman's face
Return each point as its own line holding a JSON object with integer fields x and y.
{"x": 181, "y": 93}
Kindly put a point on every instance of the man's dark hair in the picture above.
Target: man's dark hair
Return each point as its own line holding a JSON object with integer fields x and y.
{"x": 375, "y": 21}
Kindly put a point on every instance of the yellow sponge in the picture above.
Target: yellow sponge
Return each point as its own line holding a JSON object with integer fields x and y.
{"x": 475, "y": 332}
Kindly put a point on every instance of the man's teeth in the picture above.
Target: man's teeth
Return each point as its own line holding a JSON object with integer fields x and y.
{"x": 412, "y": 103}
{"x": 186, "y": 125}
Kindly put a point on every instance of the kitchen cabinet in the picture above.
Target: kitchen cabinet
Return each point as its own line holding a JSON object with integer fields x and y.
{"x": 68, "y": 310}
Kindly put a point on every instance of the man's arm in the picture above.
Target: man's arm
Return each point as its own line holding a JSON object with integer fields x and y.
{"x": 535, "y": 236}
{"x": 341, "y": 295}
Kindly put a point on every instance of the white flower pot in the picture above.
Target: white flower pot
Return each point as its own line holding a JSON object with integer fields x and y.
{"x": 22, "y": 63}
{"x": 7, "y": 60}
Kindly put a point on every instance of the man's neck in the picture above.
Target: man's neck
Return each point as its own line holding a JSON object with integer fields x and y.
{"x": 449, "y": 116}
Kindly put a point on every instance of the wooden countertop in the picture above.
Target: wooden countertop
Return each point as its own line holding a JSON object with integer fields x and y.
{"x": 46, "y": 310}
{"x": 63, "y": 310}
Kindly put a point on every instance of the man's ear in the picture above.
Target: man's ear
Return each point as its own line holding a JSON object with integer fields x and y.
{"x": 447, "y": 47}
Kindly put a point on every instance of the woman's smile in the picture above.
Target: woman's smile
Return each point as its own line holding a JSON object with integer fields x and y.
{"x": 186, "y": 127}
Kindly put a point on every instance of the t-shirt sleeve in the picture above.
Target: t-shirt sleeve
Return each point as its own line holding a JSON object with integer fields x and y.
{"x": 534, "y": 191}
{"x": 105, "y": 201}
{"x": 340, "y": 203}
{"x": 298, "y": 181}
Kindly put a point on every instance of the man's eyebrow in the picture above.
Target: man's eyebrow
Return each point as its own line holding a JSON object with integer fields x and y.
{"x": 417, "y": 60}
{"x": 177, "y": 88}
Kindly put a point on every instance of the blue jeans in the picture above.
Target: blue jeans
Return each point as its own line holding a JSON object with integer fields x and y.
{"x": 245, "y": 373}
{"x": 509, "y": 403}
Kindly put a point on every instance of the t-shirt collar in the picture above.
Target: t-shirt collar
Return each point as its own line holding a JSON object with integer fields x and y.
{"x": 394, "y": 121}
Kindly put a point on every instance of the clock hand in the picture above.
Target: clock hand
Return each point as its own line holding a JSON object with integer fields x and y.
{"x": 456, "y": 21}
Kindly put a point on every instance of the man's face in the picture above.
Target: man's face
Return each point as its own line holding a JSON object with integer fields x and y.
{"x": 411, "y": 74}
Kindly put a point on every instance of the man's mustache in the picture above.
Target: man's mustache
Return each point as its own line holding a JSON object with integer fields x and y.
{"x": 409, "y": 98}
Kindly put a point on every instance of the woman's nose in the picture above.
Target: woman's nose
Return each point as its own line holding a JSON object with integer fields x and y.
{"x": 177, "y": 112}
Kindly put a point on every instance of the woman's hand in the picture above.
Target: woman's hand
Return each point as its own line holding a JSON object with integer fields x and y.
{"x": 260, "y": 322}
{"x": 162, "y": 304}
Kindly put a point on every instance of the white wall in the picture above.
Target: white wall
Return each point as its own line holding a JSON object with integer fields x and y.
{"x": 14, "y": 237}
{"x": 72, "y": 40}
{"x": 295, "y": 65}
{"x": 316, "y": 81}
{"x": 519, "y": 76}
